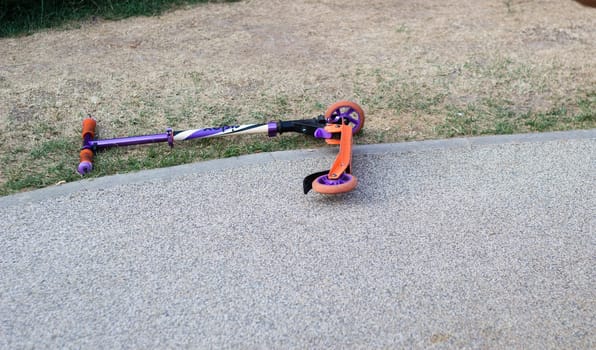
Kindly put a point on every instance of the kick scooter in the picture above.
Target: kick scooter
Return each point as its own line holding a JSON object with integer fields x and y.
{"x": 341, "y": 120}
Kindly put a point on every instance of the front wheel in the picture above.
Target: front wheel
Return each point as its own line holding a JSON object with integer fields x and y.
{"x": 346, "y": 111}
{"x": 345, "y": 183}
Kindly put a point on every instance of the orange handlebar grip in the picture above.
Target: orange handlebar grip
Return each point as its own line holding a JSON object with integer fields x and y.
{"x": 88, "y": 128}
{"x": 86, "y": 155}
{"x": 86, "y": 163}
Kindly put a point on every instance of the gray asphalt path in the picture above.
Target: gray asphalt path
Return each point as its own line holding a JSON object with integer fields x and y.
{"x": 467, "y": 243}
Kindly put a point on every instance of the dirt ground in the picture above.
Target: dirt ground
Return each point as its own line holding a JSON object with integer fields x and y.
{"x": 406, "y": 62}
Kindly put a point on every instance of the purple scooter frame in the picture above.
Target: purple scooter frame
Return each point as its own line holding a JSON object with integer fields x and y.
{"x": 340, "y": 113}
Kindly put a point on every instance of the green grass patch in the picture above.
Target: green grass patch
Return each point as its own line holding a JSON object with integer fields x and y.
{"x": 395, "y": 92}
{"x": 19, "y": 17}
{"x": 46, "y": 164}
{"x": 494, "y": 117}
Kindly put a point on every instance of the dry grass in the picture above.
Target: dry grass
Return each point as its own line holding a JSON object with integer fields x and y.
{"x": 420, "y": 69}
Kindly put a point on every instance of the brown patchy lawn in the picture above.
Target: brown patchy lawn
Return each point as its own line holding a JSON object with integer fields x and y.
{"x": 420, "y": 69}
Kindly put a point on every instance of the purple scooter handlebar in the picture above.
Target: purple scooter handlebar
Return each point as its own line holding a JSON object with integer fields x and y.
{"x": 313, "y": 127}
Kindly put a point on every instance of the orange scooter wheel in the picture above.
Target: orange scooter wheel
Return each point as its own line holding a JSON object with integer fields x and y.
{"x": 348, "y": 110}
{"x": 345, "y": 183}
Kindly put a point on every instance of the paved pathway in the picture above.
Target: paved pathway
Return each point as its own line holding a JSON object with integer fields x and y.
{"x": 467, "y": 243}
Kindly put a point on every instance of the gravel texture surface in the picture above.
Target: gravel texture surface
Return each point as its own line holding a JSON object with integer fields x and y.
{"x": 465, "y": 243}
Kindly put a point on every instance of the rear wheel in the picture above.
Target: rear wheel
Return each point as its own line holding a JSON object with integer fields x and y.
{"x": 345, "y": 183}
